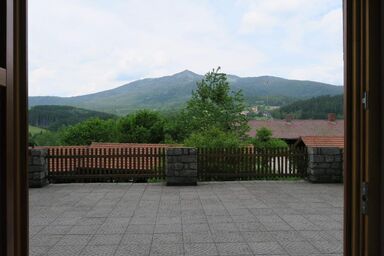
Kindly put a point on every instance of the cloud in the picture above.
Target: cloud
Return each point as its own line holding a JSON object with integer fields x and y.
{"x": 326, "y": 67}
{"x": 303, "y": 38}
{"x": 257, "y": 20}
{"x": 79, "y": 47}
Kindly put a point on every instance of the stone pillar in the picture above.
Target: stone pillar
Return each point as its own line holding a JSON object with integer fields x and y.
{"x": 325, "y": 165}
{"x": 38, "y": 168}
{"x": 181, "y": 167}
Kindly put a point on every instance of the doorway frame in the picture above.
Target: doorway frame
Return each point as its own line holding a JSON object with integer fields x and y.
{"x": 364, "y": 60}
{"x": 363, "y": 25}
{"x": 14, "y": 203}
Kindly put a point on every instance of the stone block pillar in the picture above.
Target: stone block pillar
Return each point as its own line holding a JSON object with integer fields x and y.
{"x": 325, "y": 165}
{"x": 38, "y": 168}
{"x": 181, "y": 167}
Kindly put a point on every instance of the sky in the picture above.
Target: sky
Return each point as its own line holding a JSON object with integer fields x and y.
{"x": 80, "y": 47}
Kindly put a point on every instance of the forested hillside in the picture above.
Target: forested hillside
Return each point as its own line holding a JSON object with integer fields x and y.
{"x": 55, "y": 117}
{"x": 172, "y": 92}
{"x": 314, "y": 108}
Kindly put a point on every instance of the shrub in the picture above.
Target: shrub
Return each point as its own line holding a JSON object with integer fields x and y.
{"x": 264, "y": 139}
{"x": 144, "y": 126}
{"x": 47, "y": 138}
{"x": 213, "y": 138}
{"x": 92, "y": 130}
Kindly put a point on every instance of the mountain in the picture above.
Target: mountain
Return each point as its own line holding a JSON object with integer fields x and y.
{"x": 314, "y": 108}
{"x": 171, "y": 92}
{"x": 55, "y": 117}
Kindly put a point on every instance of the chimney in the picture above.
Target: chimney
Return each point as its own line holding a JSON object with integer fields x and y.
{"x": 289, "y": 118}
{"x": 332, "y": 117}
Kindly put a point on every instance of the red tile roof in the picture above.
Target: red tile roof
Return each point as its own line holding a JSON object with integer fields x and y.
{"x": 323, "y": 142}
{"x": 299, "y": 128}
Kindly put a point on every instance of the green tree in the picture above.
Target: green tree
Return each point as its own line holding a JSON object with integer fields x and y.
{"x": 213, "y": 104}
{"x": 177, "y": 127}
{"x": 91, "y": 130}
{"x": 264, "y": 139}
{"x": 213, "y": 138}
{"x": 31, "y": 140}
{"x": 47, "y": 138}
{"x": 144, "y": 126}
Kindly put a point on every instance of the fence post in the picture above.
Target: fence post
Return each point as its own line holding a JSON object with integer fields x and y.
{"x": 181, "y": 167}
{"x": 38, "y": 168}
{"x": 325, "y": 165}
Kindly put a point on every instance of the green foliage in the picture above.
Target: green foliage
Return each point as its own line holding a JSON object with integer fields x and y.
{"x": 177, "y": 127}
{"x": 41, "y": 137}
{"x": 155, "y": 180}
{"x": 264, "y": 139}
{"x": 214, "y": 105}
{"x": 56, "y": 117}
{"x": 92, "y": 130}
{"x": 213, "y": 138}
{"x": 47, "y": 138}
{"x": 314, "y": 108}
{"x": 35, "y": 130}
{"x": 144, "y": 126}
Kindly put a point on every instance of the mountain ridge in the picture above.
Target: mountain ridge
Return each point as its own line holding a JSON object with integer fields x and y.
{"x": 172, "y": 91}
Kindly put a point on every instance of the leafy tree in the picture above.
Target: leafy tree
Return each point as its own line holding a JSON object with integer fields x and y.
{"x": 144, "y": 126}
{"x": 177, "y": 127}
{"x": 264, "y": 139}
{"x": 31, "y": 140}
{"x": 91, "y": 130}
{"x": 213, "y": 138}
{"x": 214, "y": 105}
{"x": 47, "y": 138}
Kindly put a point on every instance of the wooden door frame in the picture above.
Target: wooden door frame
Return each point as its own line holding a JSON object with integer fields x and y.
{"x": 363, "y": 63}
{"x": 381, "y": 223}
{"x": 15, "y": 213}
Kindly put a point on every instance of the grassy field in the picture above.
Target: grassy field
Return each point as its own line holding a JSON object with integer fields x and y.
{"x": 35, "y": 130}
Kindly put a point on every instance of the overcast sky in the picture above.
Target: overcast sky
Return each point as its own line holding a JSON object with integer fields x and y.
{"x": 83, "y": 46}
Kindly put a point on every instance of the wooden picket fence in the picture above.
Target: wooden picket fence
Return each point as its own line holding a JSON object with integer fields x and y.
{"x": 140, "y": 164}
{"x": 90, "y": 164}
{"x": 250, "y": 163}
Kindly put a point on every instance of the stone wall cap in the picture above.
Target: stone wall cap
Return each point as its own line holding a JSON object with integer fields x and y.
{"x": 178, "y": 147}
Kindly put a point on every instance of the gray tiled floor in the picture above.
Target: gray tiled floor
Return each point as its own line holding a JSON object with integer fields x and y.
{"x": 226, "y": 218}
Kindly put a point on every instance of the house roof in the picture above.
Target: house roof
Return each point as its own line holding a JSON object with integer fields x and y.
{"x": 323, "y": 142}
{"x": 299, "y": 128}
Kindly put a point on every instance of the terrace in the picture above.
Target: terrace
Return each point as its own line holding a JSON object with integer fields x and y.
{"x": 213, "y": 218}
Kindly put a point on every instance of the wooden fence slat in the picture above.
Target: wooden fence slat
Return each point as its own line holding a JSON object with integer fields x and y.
{"x": 63, "y": 160}
{"x": 250, "y": 163}
{"x": 106, "y": 164}
{"x": 282, "y": 150}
